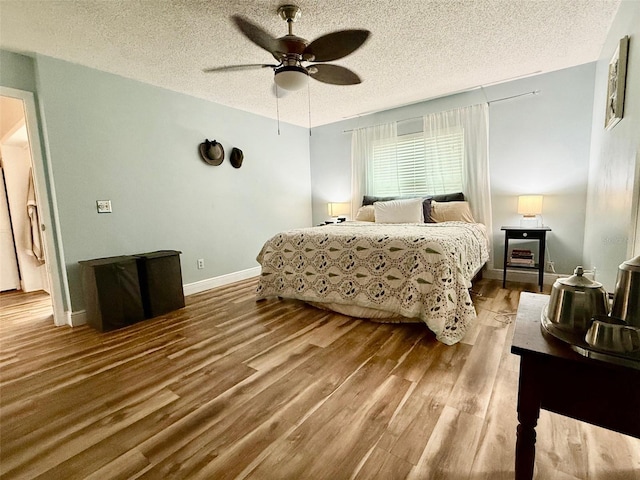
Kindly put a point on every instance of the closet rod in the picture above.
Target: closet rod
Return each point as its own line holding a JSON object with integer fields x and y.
{"x": 533, "y": 92}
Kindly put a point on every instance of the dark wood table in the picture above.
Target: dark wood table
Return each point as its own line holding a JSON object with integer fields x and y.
{"x": 554, "y": 377}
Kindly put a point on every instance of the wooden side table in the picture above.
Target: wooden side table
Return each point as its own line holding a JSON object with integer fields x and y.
{"x": 554, "y": 377}
{"x": 525, "y": 233}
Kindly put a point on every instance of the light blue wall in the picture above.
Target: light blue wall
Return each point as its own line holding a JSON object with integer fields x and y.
{"x": 17, "y": 71}
{"x": 111, "y": 138}
{"x": 538, "y": 144}
{"x": 614, "y": 178}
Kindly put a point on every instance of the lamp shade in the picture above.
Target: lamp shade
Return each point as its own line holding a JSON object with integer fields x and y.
{"x": 337, "y": 209}
{"x": 291, "y": 77}
{"x": 530, "y": 205}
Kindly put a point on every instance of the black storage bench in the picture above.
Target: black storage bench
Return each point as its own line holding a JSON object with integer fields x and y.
{"x": 120, "y": 291}
{"x": 112, "y": 292}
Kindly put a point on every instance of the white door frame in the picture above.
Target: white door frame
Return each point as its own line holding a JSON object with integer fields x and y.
{"x": 50, "y": 223}
{"x": 633, "y": 249}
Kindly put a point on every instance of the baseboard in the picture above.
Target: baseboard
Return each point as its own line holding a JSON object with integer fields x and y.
{"x": 521, "y": 276}
{"x": 79, "y": 317}
{"x": 209, "y": 283}
{"x": 75, "y": 319}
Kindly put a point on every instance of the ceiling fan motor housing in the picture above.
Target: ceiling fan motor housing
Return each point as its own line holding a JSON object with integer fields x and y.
{"x": 290, "y": 45}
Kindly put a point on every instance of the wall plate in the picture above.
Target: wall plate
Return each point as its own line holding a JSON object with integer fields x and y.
{"x": 104, "y": 206}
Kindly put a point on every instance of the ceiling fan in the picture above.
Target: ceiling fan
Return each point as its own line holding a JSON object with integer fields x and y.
{"x": 292, "y": 51}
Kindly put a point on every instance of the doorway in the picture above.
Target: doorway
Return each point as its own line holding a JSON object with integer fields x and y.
{"x": 21, "y": 245}
{"x": 31, "y": 231}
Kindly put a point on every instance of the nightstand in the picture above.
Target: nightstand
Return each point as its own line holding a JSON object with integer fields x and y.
{"x": 525, "y": 233}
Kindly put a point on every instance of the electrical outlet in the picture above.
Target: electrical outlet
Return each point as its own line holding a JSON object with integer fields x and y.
{"x": 551, "y": 267}
{"x": 200, "y": 263}
{"x": 104, "y": 206}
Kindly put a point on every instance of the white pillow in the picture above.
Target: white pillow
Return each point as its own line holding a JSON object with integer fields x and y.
{"x": 399, "y": 211}
{"x": 366, "y": 214}
{"x": 451, "y": 212}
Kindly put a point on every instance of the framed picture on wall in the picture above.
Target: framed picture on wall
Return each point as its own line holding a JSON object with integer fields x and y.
{"x": 616, "y": 84}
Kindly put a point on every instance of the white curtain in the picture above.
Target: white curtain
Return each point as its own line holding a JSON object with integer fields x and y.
{"x": 474, "y": 120}
{"x": 362, "y": 141}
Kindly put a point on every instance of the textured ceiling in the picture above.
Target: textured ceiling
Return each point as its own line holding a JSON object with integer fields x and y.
{"x": 418, "y": 49}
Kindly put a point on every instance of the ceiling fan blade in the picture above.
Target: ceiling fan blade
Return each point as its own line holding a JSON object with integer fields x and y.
{"x": 257, "y": 35}
{"x": 335, "y": 45}
{"x": 228, "y": 68}
{"x": 333, "y": 74}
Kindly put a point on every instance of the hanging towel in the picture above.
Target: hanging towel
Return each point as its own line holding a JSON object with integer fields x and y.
{"x": 34, "y": 236}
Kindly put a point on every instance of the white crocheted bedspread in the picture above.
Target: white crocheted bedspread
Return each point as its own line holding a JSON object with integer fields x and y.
{"x": 414, "y": 270}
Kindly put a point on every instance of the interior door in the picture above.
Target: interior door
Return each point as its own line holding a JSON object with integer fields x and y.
{"x": 9, "y": 275}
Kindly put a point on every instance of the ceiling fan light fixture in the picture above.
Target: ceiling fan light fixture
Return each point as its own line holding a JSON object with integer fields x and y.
{"x": 291, "y": 77}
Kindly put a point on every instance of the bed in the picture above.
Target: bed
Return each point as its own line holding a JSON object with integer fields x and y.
{"x": 409, "y": 271}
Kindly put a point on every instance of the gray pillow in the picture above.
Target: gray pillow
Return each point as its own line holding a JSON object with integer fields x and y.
{"x": 371, "y": 199}
{"x": 449, "y": 197}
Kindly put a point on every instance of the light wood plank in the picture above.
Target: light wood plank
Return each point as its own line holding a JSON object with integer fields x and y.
{"x": 383, "y": 465}
{"x": 473, "y": 388}
{"x": 494, "y": 458}
{"x": 448, "y": 452}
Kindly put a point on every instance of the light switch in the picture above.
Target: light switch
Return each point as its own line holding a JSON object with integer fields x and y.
{"x": 104, "y": 206}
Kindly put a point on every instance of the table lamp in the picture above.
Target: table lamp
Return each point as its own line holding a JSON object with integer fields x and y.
{"x": 338, "y": 210}
{"x": 530, "y": 206}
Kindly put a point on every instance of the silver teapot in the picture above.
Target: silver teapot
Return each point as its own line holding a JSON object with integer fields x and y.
{"x": 626, "y": 297}
{"x": 575, "y": 301}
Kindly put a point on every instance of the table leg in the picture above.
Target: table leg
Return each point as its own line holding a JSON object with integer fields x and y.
{"x": 541, "y": 265}
{"x": 528, "y": 413}
{"x": 504, "y": 265}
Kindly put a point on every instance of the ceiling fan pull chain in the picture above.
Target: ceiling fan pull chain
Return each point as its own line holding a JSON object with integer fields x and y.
{"x": 277, "y": 108}
{"x": 309, "y": 98}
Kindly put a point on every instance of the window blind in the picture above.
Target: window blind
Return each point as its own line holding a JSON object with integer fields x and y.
{"x": 415, "y": 165}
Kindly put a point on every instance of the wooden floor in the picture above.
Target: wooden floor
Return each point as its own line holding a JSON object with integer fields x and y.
{"x": 233, "y": 388}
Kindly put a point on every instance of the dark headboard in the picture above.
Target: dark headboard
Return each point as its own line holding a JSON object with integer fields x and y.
{"x": 426, "y": 204}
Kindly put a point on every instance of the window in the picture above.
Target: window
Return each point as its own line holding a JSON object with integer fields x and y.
{"x": 415, "y": 165}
